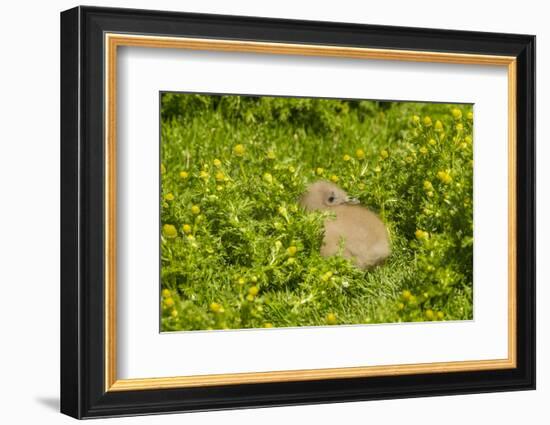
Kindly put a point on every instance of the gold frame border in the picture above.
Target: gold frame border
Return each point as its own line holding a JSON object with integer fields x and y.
{"x": 113, "y": 41}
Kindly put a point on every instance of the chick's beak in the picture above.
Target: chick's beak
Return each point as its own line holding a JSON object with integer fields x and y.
{"x": 352, "y": 201}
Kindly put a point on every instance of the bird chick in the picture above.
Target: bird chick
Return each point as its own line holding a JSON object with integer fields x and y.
{"x": 365, "y": 238}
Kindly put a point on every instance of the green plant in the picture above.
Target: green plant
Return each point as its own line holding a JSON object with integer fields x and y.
{"x": 238, "y": 252}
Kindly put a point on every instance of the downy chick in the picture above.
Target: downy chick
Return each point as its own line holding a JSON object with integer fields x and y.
{"x": 365, "y": 237}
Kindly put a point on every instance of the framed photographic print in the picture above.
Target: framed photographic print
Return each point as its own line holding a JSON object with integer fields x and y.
{"x": 261, "y": 212}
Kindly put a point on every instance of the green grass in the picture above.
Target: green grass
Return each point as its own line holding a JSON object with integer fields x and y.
{"x": 232, "y": 169}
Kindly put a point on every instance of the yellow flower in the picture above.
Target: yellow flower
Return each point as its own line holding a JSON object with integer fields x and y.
{"x": 268, "y": 178}
{"x": 169, "y": 231}
{"x": 470, "y": 116}
{"x": 468, "y": 139}
{"x": 406, "y": 294}
{"x": 377, "y": 169}
{"x": 432, "y": 142}
{"x": 400, "y": 306}
{"x": 459, "y": 127}
{"x": 166, "y": 293}
{"x": 254, "y": 279}
{"x": 416, "y": 119}
{"x": 253, "y": 290}
{"x": 457, "y": 113}
{"x": 360, "y": 153}
{"x": 440, "y": 315}
{"x": 195, "y": 209}
{"x": 325, "y": 277}
{"x": 268, "y": 325}
{"x": 361, "y": 186}
{"x": 282, "y": 210}
{"x": 429, "y": 314}
{"x": 220, "y": 176}
{"x": 241, "y": 281}
{"x": 331, "y": 319}
{"x": 174, "y": 313}
{"x": 250, "y": 297}
{"x": 187, "y": 228}
{"x": 169, "y": 302}
{"x": 438, "y": 126}
{"x": 169, "y": 196}
{"x": 190, "y": 237}
{"x": 291, "y": 169}
{"x": 428, "y": 185}
{"x": 427, "y": 121}
{"x": 292, "y": 250}
{"x": 204, "y": 174}
{"x": 409, "y": 159}
{"x": 162, "y": 169}
{"x": 239, "y": 150}
{"x": 270, "y": 155}
{"x": 444, "y": 177}
{"x": 346, "y": 157}
{"x": 291, "y": 260}
{"x": 219, "y": 188}
{"x": 319, "y": 171}
{"x": 384, "y": 153}
{"x": 216, "y": 308}
{"x": 217, "y": 163}
{"x": 184, "y": 174}
{"x": 423, "y": 150}
{"x": 421, "y": 234}
{"x": 334, "y": 178}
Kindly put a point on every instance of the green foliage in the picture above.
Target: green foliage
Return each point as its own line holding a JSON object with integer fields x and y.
{"x": 238, "y": 252}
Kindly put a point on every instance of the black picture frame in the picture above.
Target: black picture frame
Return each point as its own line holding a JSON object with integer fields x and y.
{"x": 83, "y": 392}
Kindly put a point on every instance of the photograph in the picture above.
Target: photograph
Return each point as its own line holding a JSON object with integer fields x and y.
{"x": 280, "y": 212}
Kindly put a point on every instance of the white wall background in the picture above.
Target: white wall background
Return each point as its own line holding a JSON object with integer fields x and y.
{"x": 29, "y": 212}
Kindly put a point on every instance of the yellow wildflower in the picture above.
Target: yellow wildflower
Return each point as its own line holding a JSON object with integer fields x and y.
{"x": 187, "y": 228}
{"x": 169, "y": 302}
{"x": 184, "y": 174}
{"x": 360, "y": 153}
{"x": 319, "y": 171}
{"x": 406, "y": 294}
{"x": 268, "y": 178}
{"x": 429, "y": 314}
{"x": 444, "y": 177}
{"x": 331, "y": 319}
{"x": 169, "y": 231}
{"x": 334, "y": 178}
{"x": 292, "y": 250}
{"x": 346, "y": 157}
{"x": 428, "y": 185}
{"x": 423, "y": 150}
{"x": 459, "y": 127}
{"x": 438, "y": 126}
{"x": 220, "y": 176}
{"x": 421, "y": 234}
{"x": 270, "y": 155}
{"x": 204, "y": 174}
{"x": 268, "y": 325}
{"x": 166, "y": 293}
{"x": 253, "y": 290}
{"x": 162, "y": 169}
{"x": 432, "y": 142}
{"x": 470, "y": 116}
{"x": 416, "y": 119}
{"x": 174, "y": 313}
{"x": 384, "y": 153}
{"x": 216, "y": 308}
{"x": 169, "y": 196}
{"x": 457, "y": 113}
{"x": 239, "y": 150}
{"x": 427, "y": 121}
{"x": 217, "y": 163}
{"x": 195, "y": 209}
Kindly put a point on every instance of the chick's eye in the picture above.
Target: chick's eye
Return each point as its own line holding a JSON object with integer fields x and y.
{"x": 331, "y": 199}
